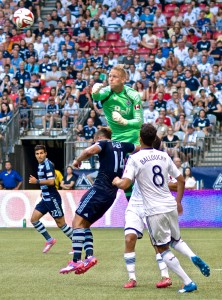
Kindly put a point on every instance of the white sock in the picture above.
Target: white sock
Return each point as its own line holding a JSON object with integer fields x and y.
{"x": 130, "y": 259}
{"x": 173, "y": 264}
{"x": 162, "y": 266}
{"x": 183, "y": 248}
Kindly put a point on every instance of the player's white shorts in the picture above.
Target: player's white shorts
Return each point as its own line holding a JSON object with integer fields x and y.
{"x": 134, "y": 219}
{"x": 163, "y": 227}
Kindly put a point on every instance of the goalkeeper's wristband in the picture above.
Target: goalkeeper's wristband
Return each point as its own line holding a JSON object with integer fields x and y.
{"x": 37, "y": 181}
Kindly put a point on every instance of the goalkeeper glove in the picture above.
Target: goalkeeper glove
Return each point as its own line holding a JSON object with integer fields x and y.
{"x": 118, "y": 118}
{"x": 96, "y": 88}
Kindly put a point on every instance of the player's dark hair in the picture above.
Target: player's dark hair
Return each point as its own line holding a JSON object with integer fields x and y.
{"x": 40, "y": 147}
{"x": 157, "y": 143}
{"x": 104, "y": 131}
{"x": 148, "y": 134}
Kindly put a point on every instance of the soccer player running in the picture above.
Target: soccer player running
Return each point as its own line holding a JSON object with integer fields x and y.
{"x": 123, "y": 109}
{"x": 150, "y": 168}
{"x": 134, "y": 225}
{"x": 51, "y": 200}
{"x": 98, "y": 199}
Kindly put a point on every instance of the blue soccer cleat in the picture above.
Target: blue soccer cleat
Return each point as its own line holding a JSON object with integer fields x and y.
{"x": 199, "y": 263}
{"x": 188, "y": 288}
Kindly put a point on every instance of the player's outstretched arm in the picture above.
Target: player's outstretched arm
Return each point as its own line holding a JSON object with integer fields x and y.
{"x": 87, "y": 153}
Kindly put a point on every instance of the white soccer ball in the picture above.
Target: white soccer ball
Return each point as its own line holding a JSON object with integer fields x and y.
{"x": 23, "y": 18}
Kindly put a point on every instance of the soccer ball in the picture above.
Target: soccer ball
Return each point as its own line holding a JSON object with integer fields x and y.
{"x": 23, "y": 18}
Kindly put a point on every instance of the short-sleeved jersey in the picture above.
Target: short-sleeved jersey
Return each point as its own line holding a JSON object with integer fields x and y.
{"x": 128, "y": 104}
{"x": 46, "y": 171}
{"x": 150, "y": 168}
{"x": 111, "y": 160}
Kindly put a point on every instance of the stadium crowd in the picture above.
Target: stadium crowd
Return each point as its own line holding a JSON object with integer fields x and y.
{"x": 171, "y": 51}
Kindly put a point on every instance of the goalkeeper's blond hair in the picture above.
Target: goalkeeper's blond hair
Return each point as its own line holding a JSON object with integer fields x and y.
{"x": 120, "y": 68}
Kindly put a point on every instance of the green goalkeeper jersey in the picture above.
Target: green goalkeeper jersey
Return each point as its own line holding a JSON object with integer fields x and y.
{"x": 128, "y": 104}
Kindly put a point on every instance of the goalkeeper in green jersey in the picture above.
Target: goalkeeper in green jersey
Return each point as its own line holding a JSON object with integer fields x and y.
{"x": 122, "y": 106}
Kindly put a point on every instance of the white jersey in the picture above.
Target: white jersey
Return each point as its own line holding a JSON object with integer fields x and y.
{"x": 150, "y": 168}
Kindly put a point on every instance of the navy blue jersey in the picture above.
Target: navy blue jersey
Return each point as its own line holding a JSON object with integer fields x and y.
{"x": 46, "y": 171}
{"x": 111, "y": 159}
{"x": 201, "y": 123}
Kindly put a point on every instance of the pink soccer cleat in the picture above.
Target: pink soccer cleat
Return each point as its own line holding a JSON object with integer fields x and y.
{"x": 88, "y": 263}
{"x": 130, "y": 284}
{"x": 48, "y": 245}
{"x": 72, "y": 266}
{"x": 164, "y": 283}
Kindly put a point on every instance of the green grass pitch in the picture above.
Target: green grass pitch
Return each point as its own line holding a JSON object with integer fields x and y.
{"x": 27, "y": 273}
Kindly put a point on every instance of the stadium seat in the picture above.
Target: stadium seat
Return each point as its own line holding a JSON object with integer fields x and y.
{"x": 120, "y": 44}
{"x": 37, "y": 122}
{"x": 46, "y": 90}
{"x": 159, "y": 34}
{"x": 105, "y": 44}
{"x": 180, "y": 135}
{"x": 183, "y": 7}
{"x": 217, "y": 34}
{"x": 113, "y": 36}
{"x": 158, "y": 29}
{"x": 169, "y": 8}
{"x": 142, "y": 51}
{"x": 70, "y": 81}
{"x": 202, "y": 6}
{"x": 92, "y": 44}
{"x": 102, "y": 51}
{"x": 43, "y": 97}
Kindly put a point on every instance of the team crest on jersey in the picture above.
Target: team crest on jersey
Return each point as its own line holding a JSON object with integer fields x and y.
{"x": 137, "y": 107}
{"x": 128, "y": 103}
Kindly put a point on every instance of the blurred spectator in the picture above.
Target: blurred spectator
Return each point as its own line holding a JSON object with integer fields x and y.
{"x": 149, "y": 40}
{"x": 52, "y": 116}
{"x": 214, "y": 107}
{"x": 181, "y": 124}
{"x": 21, "y": 74}
{"x": 97, "y": 32}
{"x": 70, "y": 113}
{"x": 30, "y": 92}
{"x": 160, "y": 103}
{"x": 89, "y": 130}
{"x": 161, "y": 127}
{"x": 24, "y": 114}
{"x": 94, "y": 116}
{"x": 69, "y": 179}
{"x": 190, "y": 181}
{"x": 11, "y": 179}
{"x": 171, "y": 143}
{"x": 174, "y": 106}
{"x": 202, "y": 122}
{"x": 53, "y": 76}
{"x": 79, "y": 132}
{"x": 150, "y": 114}
{"x": 190, "y": 143}
{"x": 5, "y": 114}
{"x": 114, "y": 23}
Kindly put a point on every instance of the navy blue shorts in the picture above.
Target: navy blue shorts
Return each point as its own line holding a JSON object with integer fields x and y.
{"x": 54, "y": 207}
{"x": 95, "y": 203}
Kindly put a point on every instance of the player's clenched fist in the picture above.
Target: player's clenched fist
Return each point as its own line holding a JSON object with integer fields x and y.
{"x": 118, "y": 118}
{"x": 96, "y": 88}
